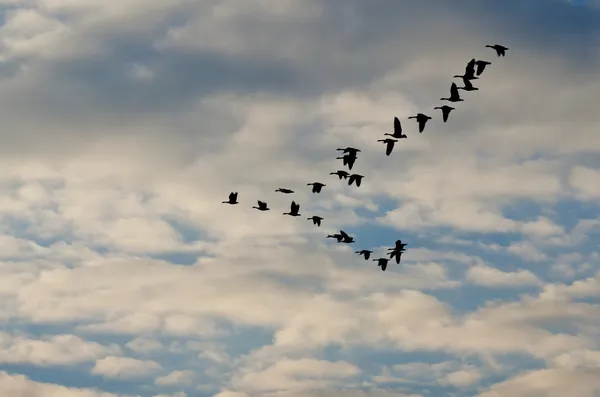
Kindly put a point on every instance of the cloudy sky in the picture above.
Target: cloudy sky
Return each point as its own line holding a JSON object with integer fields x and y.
{"x": 124, "y": 124}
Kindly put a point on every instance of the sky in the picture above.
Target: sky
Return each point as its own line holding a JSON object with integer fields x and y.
{"x": 125, "y": 124}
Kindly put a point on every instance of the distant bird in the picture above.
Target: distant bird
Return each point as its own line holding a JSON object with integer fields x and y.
{"x": 397, "y": 130}
{"x": 366, "y": 254}
{"x": 454, "y": 96}
{"x": 294, "y": 208}
{"x": 445, "y": 111}
{"x": 286, "y": 191}
{"x": 349, "y": 159}
{"x": 500, "y": 49}
{"x": 382, "y": 262}
{"x": 262, "y": 206}
{"x": 232, "y": 198}
{"x": 316, "y": 186}
{"x": 481, "y": 66}
{"x": 350, "y": 150}
{"x": 345, "y": 238}
{"x": 469, "y": 71}
{"x": 390, "y": 145}
{"x": 397, "y": 254}
{"x": 340, "y": 173}
{"x": 355, "y": 178}
{"x": 316, "y": 220}
{"x": 422, "y": 120}
{"x": 468, "y": 86}
{"x": 398, "y": 245}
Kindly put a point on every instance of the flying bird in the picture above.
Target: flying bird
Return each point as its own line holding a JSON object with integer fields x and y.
{"x": 350, "y": 150}
{"x": 422, "y": 120}
{"x": 398, "y": 245}
{"x": 397, "y": 130}
{"x": 481, "y": 66}
{"x": 355, "y": 178}
{"x": 468, "y": 86}
{"x": 232, "y": 198}
{"x": 348, "y": 159}
{"x": 340, "y": 173}
{"x": 396, "y": 254}
{"x": 316, "y": 220}
{"x": 262, "y": 206}
{"x": 345, "y": 238}
{"x": 316, "y": 186}
{"x": 454, "y": 96}
{"x": 366, "y": 253}
{"x": 286, "y": 191}
{"x": 469, "y": 71}
{"x": 445, "y": 111}
{"x": 294, "y": 208}
{"x": 500, "y": 49}
{"x": 382, "y": 262}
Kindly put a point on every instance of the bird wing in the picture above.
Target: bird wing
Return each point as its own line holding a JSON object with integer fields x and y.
{"x": 367, "y": 255}
{"x": 262, "y": 203}
{"x": 343, "y": 234}
{"x": 397, "y": 126}
{"x": 470, "y": 69}
{"x": 453, "y": 90}
{"x": 232, "y": 196}
{"x": 468, "y": 84}
{"x": 295, "y": 207}
{"x": 389, "y": 148}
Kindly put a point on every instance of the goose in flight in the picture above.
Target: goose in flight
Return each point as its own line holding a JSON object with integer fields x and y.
{"x": 469, "y": 71}
{"x": 481, "y": 66}
{"x": 350, "y": 150}
{"x": 382, "y": 262}
{"x": 500, "y": 49}
{"x": 422, "y": 120}
{"x": 316, "y": 186}
{"x": 355, "y": 178}
{"x": 397, "y": 254}
{"x": 316, "y": 220}
{"x": 262, "y": 206}
{"x": 398, "y": 245}
{"x": 397, "y": 130}
{"x": 454, "y": 96}
{"x": 366, "y": 253}
{"x": 340, "y": 173}
{"x": 468, "y": 86}
{"x": 348, "y": 159}
{"x": 294, "y": 208}
{"x": 285, "y": 191}
{"x": 390, "y": 145}
{"x": 232, "y": 198}
{"x": 445, "y": 111}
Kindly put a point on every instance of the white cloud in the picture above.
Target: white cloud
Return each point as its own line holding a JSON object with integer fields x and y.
{"x": 124, "y": 367}
{"x": 492, "y": 277}
{"x": 182, "y": 378}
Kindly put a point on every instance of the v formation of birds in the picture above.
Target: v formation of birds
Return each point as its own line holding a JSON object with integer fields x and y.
{"x": 349, "y": 155}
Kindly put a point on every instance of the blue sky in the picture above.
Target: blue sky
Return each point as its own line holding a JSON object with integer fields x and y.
{"x": 126, "y": 124}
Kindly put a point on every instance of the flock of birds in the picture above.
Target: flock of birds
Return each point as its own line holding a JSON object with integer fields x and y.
{"x": 473, "y": 69}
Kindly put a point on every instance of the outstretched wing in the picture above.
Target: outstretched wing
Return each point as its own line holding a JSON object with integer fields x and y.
{"x": 389, "y": 148}
{"x": 397, "y": 126}
{"x": 367, "y": 255}
{"x": 295, "y": 207}
{"x": 344, "y": 235}
{"x": 453, "y": 90}
{"x": 470, "y": 69}
{"x": 262, "y": 203}
{"x": 232, "y": 196}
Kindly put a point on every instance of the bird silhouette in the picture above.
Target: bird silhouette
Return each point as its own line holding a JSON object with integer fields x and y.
{"x": 340, "y": 173}
{"x": 316, "y": 186}
{"x": 366, "y": 253}
{"x": 262, "y": 206}
{"x": 397, "y": 254}
{"x": 390, "y": 145}
{"x": 350, "y": 150}
{"x": 294, "y": 208}
{"x": 398, "y": 246}
{"x": 468, "y": 86}
{"x": 422, "y": 120}
{"x": 355, "y": 178}
{"x": 316, "y": 220}
{"x": 349, "y": 159}
{"x": 346, "y": 238}
{"x": 481, "y": 66}
{"x": 382, "y": 262}
{"x": 232, "y": 198}
{"x": 469, "y": 71}
{"x": 397, "y": 130}
{"x": 285, "y": 191}
{"x": 336, "y": 236}
{"x": 500, "y": 49}
{"x": 454, "y": 96}
{"x": 445, "y": 111}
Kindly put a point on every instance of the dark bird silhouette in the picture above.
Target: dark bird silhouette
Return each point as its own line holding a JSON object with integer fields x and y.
{"x": 294, "y": 208}
{"x": 468, "y": 86}
{"x": 340, "y": 173}
{"x": 481, "y": 66}
{"x": 350, "y": 150}
{"x": 366, "y": 253}
{"x": 390, "y": 145}
{"x": 286, "y": 191}
{"x": 445, "y": 111}
{"x": 316, "y": 220}
{"x": 349, "y": 159}
{"x": 454, "y": 96}
{"x": 382, "y": 262}
{"x": 316, "y": 186}
{"x": 232, "y": 198}
{"x": 469, "y": 71}
{"x": 422, "y": 120}
{"x": 345, "y": 238}
{"x": 336, "y": 236}
{"x": 500, "y": 49}
{"x": 355, "y": 178}
{"x": 397, "y": 130}
{"x": 397, "y": 254}
{"x": 399, "y": 246}
{"x": 262, "y": 206}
